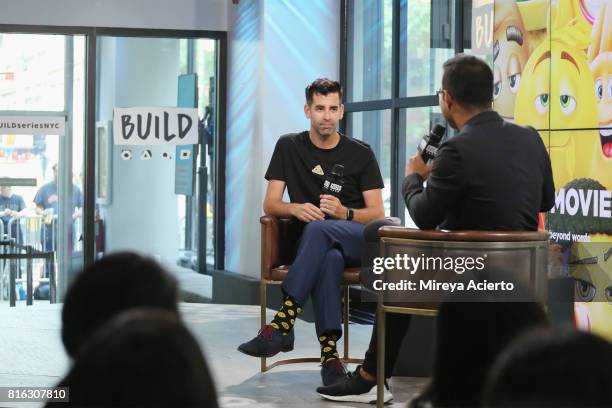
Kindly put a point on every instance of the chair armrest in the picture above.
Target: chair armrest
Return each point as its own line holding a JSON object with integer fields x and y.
{"x": 466, "y": 236}
{"x": 279, "y": 237}
{"x": 370, "y": 231}
{"x": 269, "y": 244}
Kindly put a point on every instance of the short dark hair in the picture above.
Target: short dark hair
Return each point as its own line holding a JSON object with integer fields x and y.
{"x": 470, "y": 336}
{"x": 469, "y": 80}
{"x": 142, "y": 357}
{"x": 113, "y": 284}
{"x": 561, "y": 367}
{"x": 323, "y": 86}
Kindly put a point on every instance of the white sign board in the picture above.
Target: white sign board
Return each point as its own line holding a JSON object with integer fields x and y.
{"x": 155, "y": 126}
{"x": 32, "y": 125}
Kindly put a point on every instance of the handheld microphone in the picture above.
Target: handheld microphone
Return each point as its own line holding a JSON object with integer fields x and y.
{"x": 333, "y": 181}
{"x": 428, "y": 148}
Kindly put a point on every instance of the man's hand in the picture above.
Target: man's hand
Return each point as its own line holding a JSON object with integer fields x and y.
{"x": 417, "y": 165}
{"x": 331, "y": 205}
{"x": 306, "y": 212}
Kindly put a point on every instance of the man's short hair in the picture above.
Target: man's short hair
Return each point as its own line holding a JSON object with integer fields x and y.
{"x": 111, "y": 285}
{"x": 142, "y": 357}
{"x": 469, "y": 80}
{"x": 561, "y": 367}
{"x": 323, "y": 86}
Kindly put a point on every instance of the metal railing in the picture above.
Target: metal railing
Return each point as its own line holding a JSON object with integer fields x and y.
{"x": 31, "y": 239}
{"x": 14, "y": 253}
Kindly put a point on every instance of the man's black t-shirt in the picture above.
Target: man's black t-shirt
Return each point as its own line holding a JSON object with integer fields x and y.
{"x": 302, "y": 166}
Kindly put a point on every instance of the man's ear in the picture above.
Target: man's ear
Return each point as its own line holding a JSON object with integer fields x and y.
{"x": 307, "y": 111}
{"x": 448, "y": 100}
{"x": 341, "y": 111}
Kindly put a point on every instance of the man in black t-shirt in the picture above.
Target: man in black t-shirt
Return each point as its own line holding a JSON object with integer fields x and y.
{"x": 300, "y": 163}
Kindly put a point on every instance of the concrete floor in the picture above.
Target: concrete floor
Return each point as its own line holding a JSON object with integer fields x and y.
{"x": 31, "y": 354}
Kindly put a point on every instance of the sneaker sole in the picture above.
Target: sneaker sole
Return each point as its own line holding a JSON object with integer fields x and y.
{"x": 284, "y": 350}
{"x": 362, "y": 398}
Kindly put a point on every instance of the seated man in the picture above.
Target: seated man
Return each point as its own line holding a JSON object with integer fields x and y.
{"x": 300, "y": 162}
{"x": 493, "y": 175}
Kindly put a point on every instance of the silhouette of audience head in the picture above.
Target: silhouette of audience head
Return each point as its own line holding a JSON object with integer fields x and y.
{"x": 559, "y": 368}
{"x": 141, "y": 358}
{"x": 470, "y": 336}
{"x": 113, "y": 284}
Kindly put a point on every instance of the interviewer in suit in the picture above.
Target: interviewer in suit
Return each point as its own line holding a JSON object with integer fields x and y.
{"x": 493, "y": 175}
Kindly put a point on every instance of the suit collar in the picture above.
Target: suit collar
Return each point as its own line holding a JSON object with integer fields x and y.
{"x": 482, "y": 117}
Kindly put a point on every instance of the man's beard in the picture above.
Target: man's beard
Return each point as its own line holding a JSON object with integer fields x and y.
{"x": 450, "y": 120}
{"x": 325, "y": 132}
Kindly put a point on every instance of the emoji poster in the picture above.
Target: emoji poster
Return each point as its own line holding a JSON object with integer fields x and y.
{"x": 552, "y": 66}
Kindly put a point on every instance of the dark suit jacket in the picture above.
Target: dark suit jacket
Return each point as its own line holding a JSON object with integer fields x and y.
{"x": 493, "y": 175}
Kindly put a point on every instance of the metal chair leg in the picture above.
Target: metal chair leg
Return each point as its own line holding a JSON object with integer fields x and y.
{"x": 380, "y": 355}
{"x": 263, "y": 301}
{"x": 345, "y": 318}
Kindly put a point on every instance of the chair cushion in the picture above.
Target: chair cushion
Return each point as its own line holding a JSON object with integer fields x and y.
{"x": 350, "y": 276}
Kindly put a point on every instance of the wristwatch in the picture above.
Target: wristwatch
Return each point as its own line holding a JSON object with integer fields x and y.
{"x": 349, "y": 214}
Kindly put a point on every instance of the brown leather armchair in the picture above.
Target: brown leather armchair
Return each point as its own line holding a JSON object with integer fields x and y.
{"x": 524, "y": 253}
{"x": 279, "y": 238}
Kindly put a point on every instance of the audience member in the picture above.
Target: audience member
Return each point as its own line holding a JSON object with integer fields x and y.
{"x": 142, "y": 358}
{"x": 560, "y": 368}
{"x": 115, "y": 283}
{"x": 470, "y": 337}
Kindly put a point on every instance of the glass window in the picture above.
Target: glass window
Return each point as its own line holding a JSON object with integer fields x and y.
{"x": 414, "y": 123}
{"x": 150, "y": 217}
{"x": 373, "y": 128}
{"x": 427, "y": 38}
{"x": 43, "y": 73}
{"x": 369, "y": 50}
{"x": 425, "y": 43}
{"x": 32, "y": 72}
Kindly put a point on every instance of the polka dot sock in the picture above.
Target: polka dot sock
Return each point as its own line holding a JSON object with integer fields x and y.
{"x": 328, "y": 347}
{"x": 285, "y": 318}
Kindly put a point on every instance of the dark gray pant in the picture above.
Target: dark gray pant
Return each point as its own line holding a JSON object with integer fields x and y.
{"x": 325, "y": 249}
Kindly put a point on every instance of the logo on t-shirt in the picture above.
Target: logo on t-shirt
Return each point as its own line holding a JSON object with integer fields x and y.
{"x": 318, "y": 170}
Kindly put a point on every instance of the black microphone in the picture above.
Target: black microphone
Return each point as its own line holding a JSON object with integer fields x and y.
{"x": 333, "y": 181}
{"x": 428, "y": 148}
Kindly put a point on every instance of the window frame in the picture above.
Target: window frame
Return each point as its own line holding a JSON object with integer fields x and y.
{"x": 395, "y": 103}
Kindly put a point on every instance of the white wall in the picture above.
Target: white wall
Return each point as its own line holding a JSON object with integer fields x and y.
{"x": 276, "y": 49}
{"x": 166, "y": 14}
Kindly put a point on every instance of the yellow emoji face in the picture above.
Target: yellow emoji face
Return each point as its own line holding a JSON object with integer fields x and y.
{"x": 602, "y": 73}
{"x": 591, "y": 268}
{"x": 600, "y": 60}
{"x": 561, "y": 98}
{"x": 533, "y": 98}
{"x": 572, "y": 95}
{"x": 510, "y": 54}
